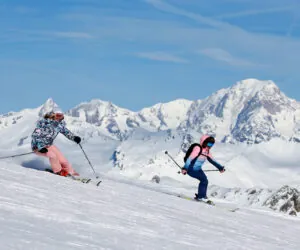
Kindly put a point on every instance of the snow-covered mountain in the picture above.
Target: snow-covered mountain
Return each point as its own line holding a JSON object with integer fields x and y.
{"x": 16, "y": 127}
{"x": 285, "y": 199}
{"x": 118, "y": 122}
{"x": 250, "y": 111}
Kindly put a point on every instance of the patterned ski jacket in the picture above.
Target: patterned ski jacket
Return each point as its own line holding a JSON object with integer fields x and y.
{"x": 202, "y": 158}
{"x": 46, "y": 131}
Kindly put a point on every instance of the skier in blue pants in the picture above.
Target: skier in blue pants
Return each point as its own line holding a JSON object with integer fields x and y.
{"x": 193, "y": 165}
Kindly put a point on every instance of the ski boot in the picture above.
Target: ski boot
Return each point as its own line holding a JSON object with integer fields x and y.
{"x": 204, "y": 200}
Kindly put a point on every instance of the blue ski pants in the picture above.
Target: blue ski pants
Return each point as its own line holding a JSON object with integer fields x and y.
{"x": 199, "y": 175}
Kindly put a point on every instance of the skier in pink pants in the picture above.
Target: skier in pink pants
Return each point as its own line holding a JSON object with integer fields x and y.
{"x": 42, "y": 139}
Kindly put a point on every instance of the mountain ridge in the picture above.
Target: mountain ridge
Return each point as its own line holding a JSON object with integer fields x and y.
{"x": 250, "y": 111}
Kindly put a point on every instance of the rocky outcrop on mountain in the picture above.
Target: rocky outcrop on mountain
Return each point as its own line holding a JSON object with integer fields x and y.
{"x": 286, "y": 199}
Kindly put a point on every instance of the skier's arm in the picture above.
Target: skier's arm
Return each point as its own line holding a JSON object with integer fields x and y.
{"x": 193, "y": 155}
{"x": 66, "y": 132}
{"x": 216, "y": 164}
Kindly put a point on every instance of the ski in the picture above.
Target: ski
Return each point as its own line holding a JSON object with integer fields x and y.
{"x": 209, "y": 203}
{"x": 86, "y": 180}
{"x": 80, "y": 179}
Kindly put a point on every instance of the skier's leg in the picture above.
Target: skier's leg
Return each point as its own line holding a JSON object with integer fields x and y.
{"x": 66, "y": 166}
{"x": 200, "y": 175}
{"x": 202, "y": 188}
{"x": 54, "y": 161}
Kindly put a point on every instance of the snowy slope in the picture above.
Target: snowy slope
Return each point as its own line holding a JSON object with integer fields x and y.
{"x": 143, "y": 157}
{"x": 44, "y": 211}
{"x": 265, "y": 168}
{"x": 270, "y": 164}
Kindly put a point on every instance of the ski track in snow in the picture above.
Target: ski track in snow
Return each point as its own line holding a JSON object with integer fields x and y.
{"x": 43, "y": 211}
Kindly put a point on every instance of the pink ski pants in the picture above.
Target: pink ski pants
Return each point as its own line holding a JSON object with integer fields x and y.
{"x": 57, "y": 160}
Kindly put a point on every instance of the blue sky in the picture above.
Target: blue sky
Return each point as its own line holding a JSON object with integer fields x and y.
{"x": 136, "y": 53}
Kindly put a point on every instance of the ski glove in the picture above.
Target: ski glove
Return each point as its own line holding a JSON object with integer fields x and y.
{"x": 222, "y": 170}
{"x": 43, "y": 150}
{"x": 77, "y": 139}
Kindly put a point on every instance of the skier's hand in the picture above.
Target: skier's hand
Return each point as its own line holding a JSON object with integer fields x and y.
{"x": 43, "y": 150}
{"x": 77, "y": 139}
{"x": 222, "y": 170}
{"x": 183, "y": 171}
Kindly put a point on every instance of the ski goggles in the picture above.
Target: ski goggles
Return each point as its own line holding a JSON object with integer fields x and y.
{"x": 209, "y": 144}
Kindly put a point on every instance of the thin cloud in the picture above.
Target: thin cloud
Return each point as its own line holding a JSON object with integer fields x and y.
{"x": 58, "y": 34}
{"x": 70, "y": 34}
{"x": 161, "y": 56}
{"x": 292, "y": 25}
{"x": 14, "y": 35}
{"x": 163, "y": 6}
{"x": 224, "y": 56}
{"x": 256, "y": 12}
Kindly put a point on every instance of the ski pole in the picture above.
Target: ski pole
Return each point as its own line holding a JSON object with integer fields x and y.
{"x": 181, "y": 167}
{"x": 173, "y": 160}
{"x": 88, "y": 161}
{"x": 12, "y": 156}
{"x": 211, "y": 170}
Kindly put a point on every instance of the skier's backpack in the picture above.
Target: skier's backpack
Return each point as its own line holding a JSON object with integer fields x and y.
{"x": 190, "y": 150}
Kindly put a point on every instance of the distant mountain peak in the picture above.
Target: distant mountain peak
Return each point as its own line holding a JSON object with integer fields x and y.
{"x": 48, "y": 106}
{"x": 252, "y": 83}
